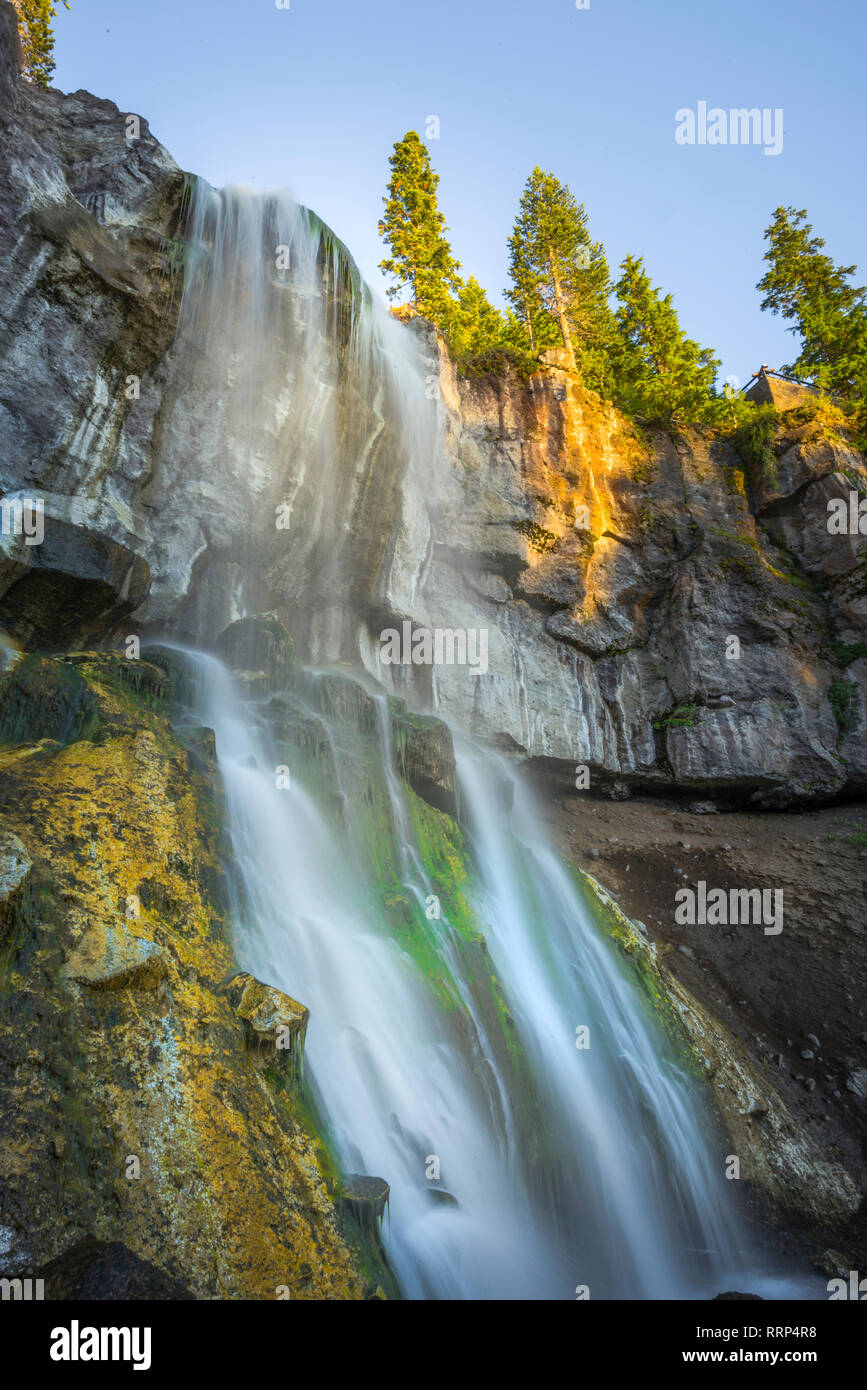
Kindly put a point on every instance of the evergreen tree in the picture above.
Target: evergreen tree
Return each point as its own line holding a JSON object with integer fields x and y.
{"x": 37, "y": 38}
{"x": 804, "y": 285}
{"x": 660, "y": 372}
{"x": 560, "y": 280}
{"x": 474, "y": 328}
{"x": 413, "y": 228}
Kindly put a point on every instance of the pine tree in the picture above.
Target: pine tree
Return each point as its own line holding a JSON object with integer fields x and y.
{"x": 413, "y": 228}
{"x": 560, "y": 280}
{"x": 660, "y": 372}
{"x": 474, "y": 328}
{"x": 37, "y": 38}
{"x": 804, "y": 285}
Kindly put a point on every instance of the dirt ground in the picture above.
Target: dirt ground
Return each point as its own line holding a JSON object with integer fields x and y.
{"x": 798, "y": 1000}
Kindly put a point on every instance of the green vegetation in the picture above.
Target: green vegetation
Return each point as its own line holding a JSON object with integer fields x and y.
{"x": 804, "y": 286}
{"x": 754, "y": 441}
{"x": 37, "y": 38}
{"x": 847, "y": 652}
{"x": 660, "y": 372}
{"x": 624, "y": 340}
{"x": 841, "y": 694}
{"x": 857, "y": 834}
{"x": 560, "y": 280}
{"x": 683, "y": 717}
{"x": 414, "y": 229}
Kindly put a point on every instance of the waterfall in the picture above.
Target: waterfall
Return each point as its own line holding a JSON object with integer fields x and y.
{"x": 520, "y": 1165}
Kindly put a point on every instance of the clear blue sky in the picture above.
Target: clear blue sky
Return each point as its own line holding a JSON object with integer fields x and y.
{"x": 313, "y": 98}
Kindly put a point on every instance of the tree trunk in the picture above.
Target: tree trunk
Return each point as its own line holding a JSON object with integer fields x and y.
{"x": 561, "y": 309}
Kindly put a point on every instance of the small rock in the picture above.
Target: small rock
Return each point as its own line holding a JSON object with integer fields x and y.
{"x": 757, "y": 1109}
{"x": 807, "y": 1055}
{"x": 812, "y": 1040}
{"x": 810, "y": 1084}
{"x": 687, "y": 951}
{"x": 592, "y": 854}
{"x": 856, "y": 1082}
{"x": 703, "y": 808}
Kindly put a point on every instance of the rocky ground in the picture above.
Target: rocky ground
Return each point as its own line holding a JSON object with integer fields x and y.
{"x": 798, "y": 1000}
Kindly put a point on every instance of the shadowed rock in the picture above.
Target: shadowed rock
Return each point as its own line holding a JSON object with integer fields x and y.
{"x": 96, "y": 1269}
{"x": 259, "y": 644}
{"x": 72, "y": 589}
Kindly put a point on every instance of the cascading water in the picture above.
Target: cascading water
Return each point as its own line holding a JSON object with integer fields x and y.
{"x": 555, "y": 1167}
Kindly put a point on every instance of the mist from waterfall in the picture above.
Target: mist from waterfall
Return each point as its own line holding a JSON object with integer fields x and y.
{"x": 558, "y": 1166}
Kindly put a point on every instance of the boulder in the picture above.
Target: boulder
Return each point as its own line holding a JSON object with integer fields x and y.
{"x": 425, "y": 757}
{"x": 109, "y": 958}
{"x": 364, "y": 1200}
{"x": 258, "y": 645}
{"x": 274, "y": 1024}
{"x": 72, "y": 588}
{"x": 107, "y": 1270}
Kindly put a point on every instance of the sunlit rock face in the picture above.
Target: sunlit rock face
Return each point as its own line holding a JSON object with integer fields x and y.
{"x": 651, "y": 612}
{"x": 200, "y": 379}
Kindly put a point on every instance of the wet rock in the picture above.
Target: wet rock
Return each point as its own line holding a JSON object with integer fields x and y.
{"x": 275, "y": 1025}
{"x": 364, "y": 1200}
{"x": 45, "y": 699}
{"x": 201, "y": 744}
{"x": 425, "y": 758}
{"x": 442, "y": 1198}
{"x": 258, "y": 644}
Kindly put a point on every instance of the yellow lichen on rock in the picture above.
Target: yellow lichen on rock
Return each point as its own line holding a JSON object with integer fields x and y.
{"x": 137, "y": 1112}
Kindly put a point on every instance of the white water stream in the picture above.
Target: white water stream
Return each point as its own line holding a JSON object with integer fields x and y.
{"x": 571, "y": 1167}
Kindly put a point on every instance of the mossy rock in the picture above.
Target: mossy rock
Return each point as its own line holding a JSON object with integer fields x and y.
{"x": 259, "y": 643}
{"x": 42, "y": 698}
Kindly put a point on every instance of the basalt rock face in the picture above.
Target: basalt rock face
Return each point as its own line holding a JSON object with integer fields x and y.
{"x": 659, "y": 607}
{"x": 419, "y": 495}
{"x": 88, "y": 306}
